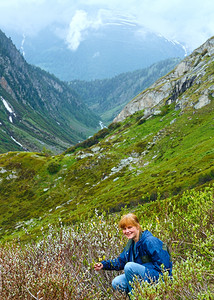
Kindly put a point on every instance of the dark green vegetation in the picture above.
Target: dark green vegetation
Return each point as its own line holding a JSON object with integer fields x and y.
{"x": 107, "y": 97}
{"x": 59, "y": 213}
{"x": 129, "y": 163}
{"x": 37, "y": 110}
{"x": 43, "y": 113}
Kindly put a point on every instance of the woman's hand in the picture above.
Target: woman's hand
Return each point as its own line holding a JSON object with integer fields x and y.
{"x": 98, "y": 266}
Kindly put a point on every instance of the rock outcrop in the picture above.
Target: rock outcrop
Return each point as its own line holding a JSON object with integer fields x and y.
{"x": 171, "y": 88}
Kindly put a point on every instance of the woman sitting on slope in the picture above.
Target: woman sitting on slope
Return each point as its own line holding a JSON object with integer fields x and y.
{"x": 141, "y": 258}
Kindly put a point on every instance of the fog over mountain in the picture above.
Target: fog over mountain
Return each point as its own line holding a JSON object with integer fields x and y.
{"x": 120, "y": 45}
{"x": 98, "y": 39}
{"x": 189, "y": 22}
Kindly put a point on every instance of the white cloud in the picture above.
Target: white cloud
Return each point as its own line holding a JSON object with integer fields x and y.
{"x": 30, "y": 16}
{"x": 78, "y": 28}
{"x": 78, "y": 25}
{"x": 190, "y": 22}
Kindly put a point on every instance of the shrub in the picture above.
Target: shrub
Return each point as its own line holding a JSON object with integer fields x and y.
{"x": 141, "y": 121}
{"x": 60, "y": 265}
{"x": 164, "y": 110}
{"x": 206, "y": 177}
{"x": 46, "y": 152}
{"x": 53, "y": 167}
{"x": 114, "y": 126}
{"x": 190, "y": 281}
{"x": 93, "y": 140}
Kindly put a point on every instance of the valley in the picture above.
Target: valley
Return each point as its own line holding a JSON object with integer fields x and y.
{"x": 59, "y": 212}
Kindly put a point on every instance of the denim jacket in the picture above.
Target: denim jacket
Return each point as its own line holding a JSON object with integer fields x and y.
{"x": 149, "y": 251}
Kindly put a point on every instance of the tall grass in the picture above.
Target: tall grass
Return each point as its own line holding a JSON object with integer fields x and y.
{"x": 60, "y": 265}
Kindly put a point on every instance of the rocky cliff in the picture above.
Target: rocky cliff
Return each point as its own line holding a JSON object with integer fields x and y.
{"x": 186, "y": 78}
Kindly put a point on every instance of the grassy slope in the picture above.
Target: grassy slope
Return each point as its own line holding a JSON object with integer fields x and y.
{"x": 170, "y": 158}
{"x": 64, "y": 257}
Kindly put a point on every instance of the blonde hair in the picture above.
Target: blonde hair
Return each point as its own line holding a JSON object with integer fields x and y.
{"x": 129, "y": 220}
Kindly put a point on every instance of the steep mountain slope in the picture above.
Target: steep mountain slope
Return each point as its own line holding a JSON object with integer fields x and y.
{"x": 36, "y": 109}
{"x": 137, "y": 160}
{"x": 109, "y": 96}
{"x": 191, "y": 74}
{"x": 118, "y": 46}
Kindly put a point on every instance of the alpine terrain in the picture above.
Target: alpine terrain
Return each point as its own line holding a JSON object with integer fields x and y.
{"x": 59, "y": 213}
{"x": 109, "y": 96}
{"x": 37, "y": 110}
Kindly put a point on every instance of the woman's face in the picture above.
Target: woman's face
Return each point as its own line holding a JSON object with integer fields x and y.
{"x": 131, "y": 232}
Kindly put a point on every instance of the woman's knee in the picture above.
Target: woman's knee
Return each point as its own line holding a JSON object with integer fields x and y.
{"x": 128, "y": 266}
{"x": 134, "y": 269}
{"x": 115, "y": 283}
{"x": 119, "y": 283}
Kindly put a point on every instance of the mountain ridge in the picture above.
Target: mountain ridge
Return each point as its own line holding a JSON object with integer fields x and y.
{"x": 191, "y": 68}
{"x": 132, "y": 162}
{"x": 46, "y": 111}
{"x": 105, "y": 52}
{"x": 109, "y": 96}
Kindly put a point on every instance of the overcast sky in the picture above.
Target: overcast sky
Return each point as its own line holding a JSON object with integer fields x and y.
{"x": 190, "y": 22}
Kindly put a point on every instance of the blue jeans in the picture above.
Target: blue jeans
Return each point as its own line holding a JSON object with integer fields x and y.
{"x": 131, "y": 271}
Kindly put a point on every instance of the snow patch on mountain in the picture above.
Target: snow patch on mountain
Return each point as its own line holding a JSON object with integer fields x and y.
{"x": 175, "y": 42}
{"x": 7, "y": 106}
{"x": 22, "y": 45}
{"x": 16, "y": 141}
{"x": 9, "y": 109}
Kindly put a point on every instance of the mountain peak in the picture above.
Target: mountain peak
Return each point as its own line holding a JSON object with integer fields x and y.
{"x": 106, "y": 47}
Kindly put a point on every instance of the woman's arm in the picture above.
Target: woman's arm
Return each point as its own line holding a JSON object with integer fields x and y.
{"x": 115, "y": 264}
